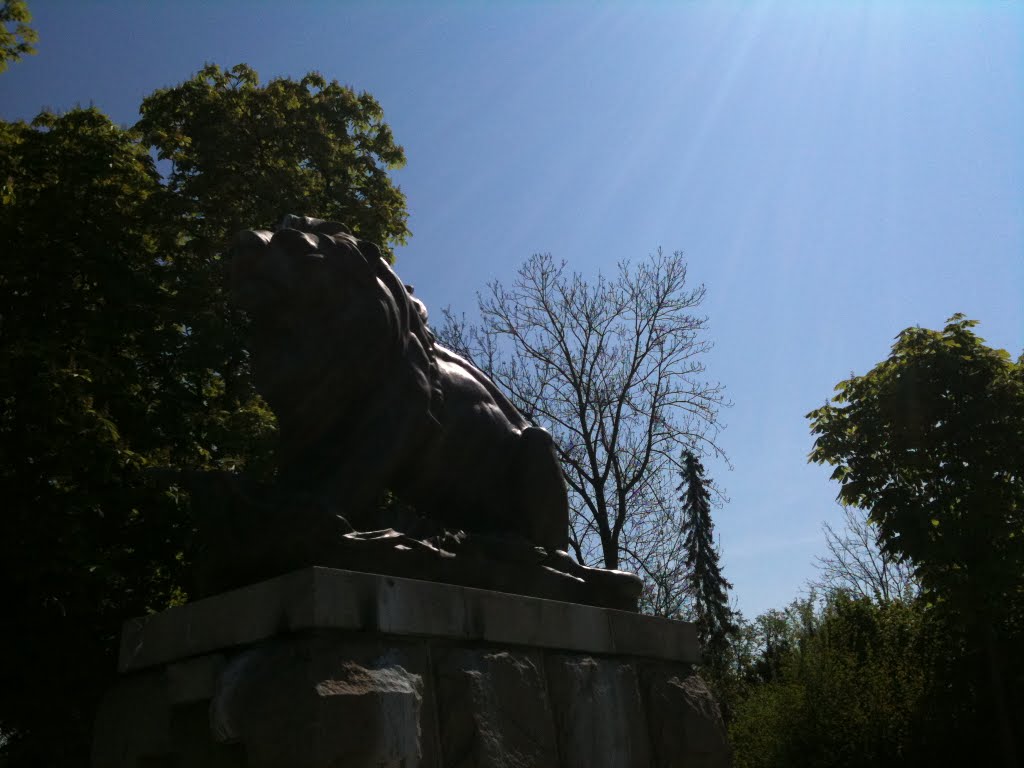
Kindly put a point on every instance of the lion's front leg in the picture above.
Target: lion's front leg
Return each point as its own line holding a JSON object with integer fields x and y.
{"x": 356, "y": 470}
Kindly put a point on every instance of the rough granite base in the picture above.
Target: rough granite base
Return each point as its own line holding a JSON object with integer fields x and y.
{"x": 334, "y": 669}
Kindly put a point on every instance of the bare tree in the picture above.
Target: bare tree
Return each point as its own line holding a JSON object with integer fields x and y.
{"x": 856, "y": 563}
{"x": 653, "y": 545}
{"x": 614, "y": 370}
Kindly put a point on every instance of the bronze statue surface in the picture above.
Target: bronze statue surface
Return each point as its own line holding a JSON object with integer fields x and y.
{"x": 369, "y": 404}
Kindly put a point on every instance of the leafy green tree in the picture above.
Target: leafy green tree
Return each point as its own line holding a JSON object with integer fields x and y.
{"x": 118, "y": 355}
{"x": 847, "y": 687}
{"x": 243, "y": 154}
{"x": 82, "y": 544}
{"x": 864, "y": 673}
{"x": 759, "y": 699}
{"x": 760, "y": 729}
{"x": 709, "y": 589}
{"x": 931, "y": 441}
{"x": 17, "y": 41}
{"x": 756, "y": 653}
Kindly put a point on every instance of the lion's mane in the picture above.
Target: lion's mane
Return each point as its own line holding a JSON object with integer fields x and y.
{"x": 367, "y": 401}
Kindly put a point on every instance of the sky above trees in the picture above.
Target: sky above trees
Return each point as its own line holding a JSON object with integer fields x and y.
{"x": 833, "y": 172}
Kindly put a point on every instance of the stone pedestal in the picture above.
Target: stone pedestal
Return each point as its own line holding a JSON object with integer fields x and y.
{"x": 326, "y": 668}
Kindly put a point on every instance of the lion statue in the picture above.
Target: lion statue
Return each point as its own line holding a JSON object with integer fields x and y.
{"x": 368, "y": 402}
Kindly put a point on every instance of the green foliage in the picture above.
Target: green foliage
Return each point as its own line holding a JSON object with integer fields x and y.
{"x": 242, "y": 155}
{"x": 931, "y": 441}
{"x": 80, "y": 377}
{"x": 118, "y": 355}
{"x": 845, "y": 687}
{"x": 17, "y": 41}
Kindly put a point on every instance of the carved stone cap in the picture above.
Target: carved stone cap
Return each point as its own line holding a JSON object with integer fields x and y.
{"x": 326, "y": 598}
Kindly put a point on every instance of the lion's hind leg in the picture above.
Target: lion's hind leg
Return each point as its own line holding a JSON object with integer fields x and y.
{"x": 540, "y": 489}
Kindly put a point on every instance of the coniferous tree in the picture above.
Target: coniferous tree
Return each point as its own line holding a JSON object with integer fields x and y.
{"x": 709, "y": 588}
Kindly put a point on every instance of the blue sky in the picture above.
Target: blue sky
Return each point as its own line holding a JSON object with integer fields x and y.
{"x": 834, "y": 172}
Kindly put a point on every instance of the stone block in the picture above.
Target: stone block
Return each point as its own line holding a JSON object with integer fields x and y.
{"x": 191, "y": 743}
{"x": 229, "y": 620}
{"x": 598, "y": 713}
{"x": 331, "y": 599}
{"x": 194, "y": 679}
{"x": 413, "y": 607}
{"x": 685, "y": 722}
{"x": 345, "y": 600}
{"x": 652, "y": 637}
{"x": 506, "y": 619}
{"x": 133, "y": 723}
{"x": 310, "y": 702}
{"x": 493, "y": 710}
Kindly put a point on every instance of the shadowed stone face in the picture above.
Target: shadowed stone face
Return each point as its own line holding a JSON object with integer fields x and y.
{"x": 324, "y": 668}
